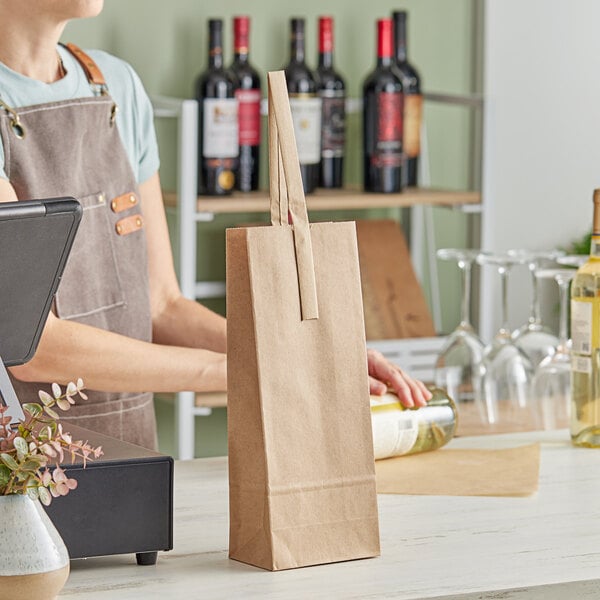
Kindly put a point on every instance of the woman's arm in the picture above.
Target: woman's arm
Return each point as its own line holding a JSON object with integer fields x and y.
{"x": 188, "y": 351}
{"x": 175, "y": 319}
{"x": 7, "y": 191}
{"x": 111, "y": 362}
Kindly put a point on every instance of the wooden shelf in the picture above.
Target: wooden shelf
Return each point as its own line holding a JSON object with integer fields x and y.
{"x": 341, "y": 199}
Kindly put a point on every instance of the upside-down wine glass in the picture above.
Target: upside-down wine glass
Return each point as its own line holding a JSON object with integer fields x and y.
{"x": 456, "y": 368}
{"x": 505, "y": 371}
{"x": 551, "y": 386}
{"x": 533, "y": 338}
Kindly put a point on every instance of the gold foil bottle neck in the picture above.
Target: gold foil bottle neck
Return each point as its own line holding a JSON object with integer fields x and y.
{"x": 596, "y": 223}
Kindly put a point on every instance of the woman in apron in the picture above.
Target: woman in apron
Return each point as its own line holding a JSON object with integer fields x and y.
{"x": 79, "y": 124}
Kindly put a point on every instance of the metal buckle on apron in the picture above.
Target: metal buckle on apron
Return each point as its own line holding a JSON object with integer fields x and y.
{"x": 102, "y": 90}
{"x": 15, "y": 121}
{"x": 113, "y": 114}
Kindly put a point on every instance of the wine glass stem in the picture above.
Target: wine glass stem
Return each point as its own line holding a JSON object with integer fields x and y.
{"x": 504, "y": 328}
{"x": 465, "y": 308}
{"x": 534, "y": 317}
{"x": 563, "y": 287}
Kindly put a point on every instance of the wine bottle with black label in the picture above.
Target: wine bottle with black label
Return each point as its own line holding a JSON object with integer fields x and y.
{"x": 217, "y": 120}
{"x": 248, "y": 95}
{"x": 413, "y": 100}
{"x": 332, "y": 91}
{"x": 383, "y": 102}
{"x": 306, "y": 108}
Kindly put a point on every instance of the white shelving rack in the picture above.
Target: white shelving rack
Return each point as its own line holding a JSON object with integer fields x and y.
{"x": 417, "y": 356}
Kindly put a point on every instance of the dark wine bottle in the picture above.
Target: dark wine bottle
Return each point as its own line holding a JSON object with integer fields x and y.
{"x": 248, "y": 95}
{"x": 382, "y": 118}
{"x": 332, "y": 91}
{"x": 217, "y": 120}
{"x": 306, "y": 108}
{"x": 413, "y": 100}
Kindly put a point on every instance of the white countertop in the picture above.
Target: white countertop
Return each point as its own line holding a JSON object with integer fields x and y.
{"x": 546, "y": 546}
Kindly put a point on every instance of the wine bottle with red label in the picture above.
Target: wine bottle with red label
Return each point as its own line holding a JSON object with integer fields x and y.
{"x": 248, "y": 94}
{"x": 217, "y": 120}
{"x": 332, "y": 91}
{"x": 413, "y": 99}
{"x": 383, "y": 104}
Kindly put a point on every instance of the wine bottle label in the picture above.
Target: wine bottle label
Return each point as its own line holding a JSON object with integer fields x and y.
{"x": 248, "y": 117}
{"x": 220, "y": 133}
{"x": 333, "y": 123}
{"x": 584, "y": 312}
{"x": 306, "y": 116}
{"x": 395, "y": 431}
{"x": 581, "y": 364}
{"x": 413, "y": 114}
{"x": 388, "y": 146}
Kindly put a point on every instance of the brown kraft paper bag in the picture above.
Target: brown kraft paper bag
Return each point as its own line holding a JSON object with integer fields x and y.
{"x": 301, "y": 468}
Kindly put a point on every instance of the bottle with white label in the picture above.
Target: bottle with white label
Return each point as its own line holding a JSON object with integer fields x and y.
{"x": 306, "y": 108}
{"x": 218, "y": 120}
{"x": 585, "y": 350}
{"x": 398, "y": 430}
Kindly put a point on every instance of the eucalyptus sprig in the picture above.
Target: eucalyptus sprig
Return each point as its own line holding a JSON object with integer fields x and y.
{"x": 30, "y": 448}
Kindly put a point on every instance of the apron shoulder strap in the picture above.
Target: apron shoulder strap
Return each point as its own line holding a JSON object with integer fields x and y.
{"x": 90, "y": 68}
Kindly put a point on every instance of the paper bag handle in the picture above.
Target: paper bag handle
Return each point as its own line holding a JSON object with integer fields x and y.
{"x": 287, "y": 193}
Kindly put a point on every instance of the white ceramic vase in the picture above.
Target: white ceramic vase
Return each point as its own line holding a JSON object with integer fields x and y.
{"x": 34, "y": 562}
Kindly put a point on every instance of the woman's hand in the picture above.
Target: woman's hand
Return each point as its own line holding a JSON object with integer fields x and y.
{"x": 383, "y": 375}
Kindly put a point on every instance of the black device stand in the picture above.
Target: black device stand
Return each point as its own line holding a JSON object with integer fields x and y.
{"x": 124, "y": 500}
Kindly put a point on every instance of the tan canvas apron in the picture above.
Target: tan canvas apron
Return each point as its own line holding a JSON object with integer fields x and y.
{"x": 73, "y": 148}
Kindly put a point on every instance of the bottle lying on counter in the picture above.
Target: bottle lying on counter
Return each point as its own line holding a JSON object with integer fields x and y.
{"x": 398, "y": 430}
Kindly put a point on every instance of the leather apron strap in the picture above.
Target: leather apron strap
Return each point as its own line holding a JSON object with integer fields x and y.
{"x": 90, "y": 68}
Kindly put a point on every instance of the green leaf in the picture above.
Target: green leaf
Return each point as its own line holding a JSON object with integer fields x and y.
{"x": 9, "y": 461}
{"x": 45, "y": 397}
{"x": 5, "y": 474}
{"x": 33, "y": 408}
{"x": 51, "y": 413}
{"x": 30, "y": 465}
{"x": 32, "y": 492}
{"x": 45, "y": 496}
{"x": 21, "y": 445}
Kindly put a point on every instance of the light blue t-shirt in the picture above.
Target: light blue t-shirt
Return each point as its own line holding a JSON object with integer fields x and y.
{"x": 134, "y": 117}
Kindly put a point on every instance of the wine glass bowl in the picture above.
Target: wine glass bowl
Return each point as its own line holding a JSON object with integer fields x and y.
{"x": 533, "y": 338}
{"x": 551, "y": 385}
{"x": 573, "y": 260}
{"x": 456, "y": 367}
{"x": 505, "y": 370}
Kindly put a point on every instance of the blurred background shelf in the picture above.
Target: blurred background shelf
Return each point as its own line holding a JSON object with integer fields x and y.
{"x": 339, "y": 199}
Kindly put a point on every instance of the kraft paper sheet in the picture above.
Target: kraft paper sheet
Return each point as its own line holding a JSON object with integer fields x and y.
{"x": 462, "y": 472}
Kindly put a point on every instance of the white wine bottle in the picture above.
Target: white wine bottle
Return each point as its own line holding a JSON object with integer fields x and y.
{"x": 585, "y": 352}
{"x": 398, "y": 430}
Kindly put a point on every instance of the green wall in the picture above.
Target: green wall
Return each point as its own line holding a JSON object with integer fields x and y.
{"x": 166, "y": 44}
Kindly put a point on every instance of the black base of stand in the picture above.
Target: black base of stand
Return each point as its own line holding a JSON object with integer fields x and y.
{"x": 146, "y": 558}
{"x": 123, "y": 502}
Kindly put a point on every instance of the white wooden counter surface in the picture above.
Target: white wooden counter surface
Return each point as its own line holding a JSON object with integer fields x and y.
{"x": 542, "y": 547}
